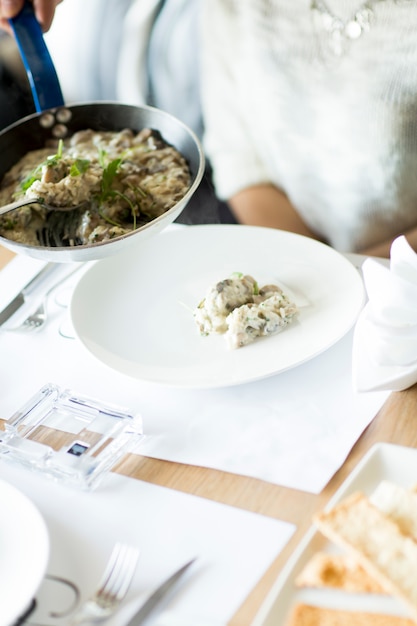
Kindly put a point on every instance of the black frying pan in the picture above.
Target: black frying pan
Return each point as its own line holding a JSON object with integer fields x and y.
{"x": 53, "y": 119}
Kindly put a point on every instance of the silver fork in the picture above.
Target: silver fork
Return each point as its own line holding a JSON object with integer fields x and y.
{"x": 37, "y": 319}
{"x": 112, "y": 588}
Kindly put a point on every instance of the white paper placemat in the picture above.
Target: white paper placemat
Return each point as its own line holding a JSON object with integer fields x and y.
{"x": 233, "y": 547}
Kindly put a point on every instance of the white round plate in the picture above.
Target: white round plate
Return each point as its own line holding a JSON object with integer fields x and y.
{"x": 134, "y": 312}
{"x": 24, "y": 552}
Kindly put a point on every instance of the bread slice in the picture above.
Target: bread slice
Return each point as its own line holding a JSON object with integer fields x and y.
{"x": 337, "y": 571}
{"x": 376, "y": 542}
{"x": 399, "y": 504}
{"x": 307, "y": 615}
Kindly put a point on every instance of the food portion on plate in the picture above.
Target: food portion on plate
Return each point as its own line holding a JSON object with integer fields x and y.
{"x": 122, "y": 180}
{"x": 241, "y": 310}
{"x": 377, "y": 541}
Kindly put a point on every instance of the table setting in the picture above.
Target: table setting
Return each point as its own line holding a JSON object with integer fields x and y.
{"x": 127, "y": 429}
{"x": 83, "y": 526}
{"x": 260, "y": 429}
{"x": 222, "y": 427}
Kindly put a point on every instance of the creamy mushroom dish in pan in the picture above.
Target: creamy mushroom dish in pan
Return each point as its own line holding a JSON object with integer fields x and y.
{"x": 121, "y": 180}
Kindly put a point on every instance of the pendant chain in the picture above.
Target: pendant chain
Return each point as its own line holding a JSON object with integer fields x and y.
{"x": 338, "y": 33}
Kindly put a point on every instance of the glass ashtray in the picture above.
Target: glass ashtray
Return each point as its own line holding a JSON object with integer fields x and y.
{"x": 71, "y": 438}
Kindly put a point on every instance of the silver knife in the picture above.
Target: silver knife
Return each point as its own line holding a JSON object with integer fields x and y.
{"x": 19, "y": 300}
{"x": 155, "y": 598}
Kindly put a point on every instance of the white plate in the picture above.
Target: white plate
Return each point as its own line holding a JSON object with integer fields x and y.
{"x": 24, "y": 552}
{"x": 397, "y": 464}
{"x": 134, "y": 311}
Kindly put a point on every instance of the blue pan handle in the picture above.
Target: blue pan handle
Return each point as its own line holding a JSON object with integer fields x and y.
{"x": 43, "y": 79}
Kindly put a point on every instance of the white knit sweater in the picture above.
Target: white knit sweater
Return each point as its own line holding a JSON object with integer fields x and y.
{"x": 339, "y": 138}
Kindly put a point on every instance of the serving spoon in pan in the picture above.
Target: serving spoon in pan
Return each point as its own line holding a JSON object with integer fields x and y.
{"x": 6, "y": 208}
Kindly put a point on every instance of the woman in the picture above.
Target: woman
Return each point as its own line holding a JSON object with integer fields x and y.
{"x": 310, "y": 110}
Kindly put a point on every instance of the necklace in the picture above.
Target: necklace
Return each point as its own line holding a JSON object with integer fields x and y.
{"x": 336, "y": 34}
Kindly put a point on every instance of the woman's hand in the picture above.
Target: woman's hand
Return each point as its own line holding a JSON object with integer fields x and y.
{"x": 44, "y": 11}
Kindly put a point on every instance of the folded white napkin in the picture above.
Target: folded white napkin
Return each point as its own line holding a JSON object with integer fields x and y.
{"x": 385, "y": 337}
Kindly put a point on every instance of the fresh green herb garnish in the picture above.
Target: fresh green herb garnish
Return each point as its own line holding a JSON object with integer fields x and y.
{"x": 54, "y": 158}
{"x": 130, "y": 203}
{"x": 255, "y": 286}
{"x": 141, "y": 191}
{"x": 102, "y": 157}
{"x": 108, "y": 219}
{"x": 29, "y": 180}
{"x": 59, "y": 152}
{"x": 37, "y": 172}
{"x": 79, "y": 167}
{"x": 109, "y": 173}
